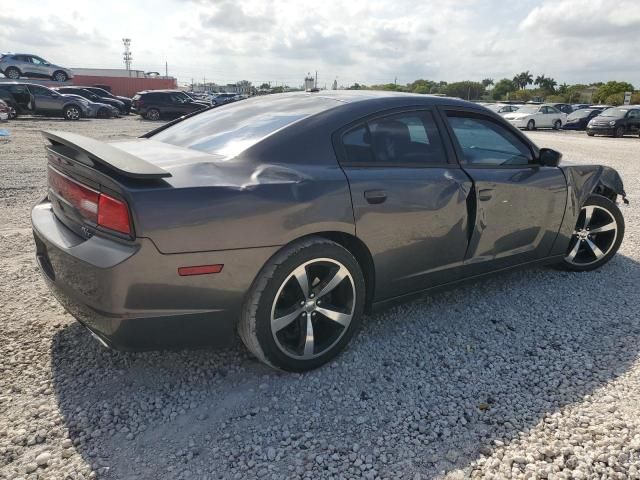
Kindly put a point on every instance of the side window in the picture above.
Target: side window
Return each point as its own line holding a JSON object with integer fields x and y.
{"x": 177, "y": 98}
{"x": 44, "y": 92}
{"x": 405, "y": 138}
{"x": 486, "y": 143}
{"x": 634, "y": 114}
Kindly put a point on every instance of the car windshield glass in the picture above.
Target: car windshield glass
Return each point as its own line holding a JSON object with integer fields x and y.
{"x": 232, "y": 128}
{"x": 583, "y": 112}
{"x": 614, "y": 112}
{"x": 528, "y": 109}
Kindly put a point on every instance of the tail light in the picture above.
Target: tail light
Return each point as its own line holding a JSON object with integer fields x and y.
{"x": 96, "y": 207}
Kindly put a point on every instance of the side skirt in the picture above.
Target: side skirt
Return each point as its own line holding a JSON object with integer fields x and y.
{"x": 390, "y": 302}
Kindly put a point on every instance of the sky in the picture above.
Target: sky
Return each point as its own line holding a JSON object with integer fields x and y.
{"x": 573, "y": 41}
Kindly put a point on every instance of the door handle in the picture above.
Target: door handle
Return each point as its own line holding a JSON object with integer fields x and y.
{"x": 375, "y": 196}
{"x": 485, "y": 194}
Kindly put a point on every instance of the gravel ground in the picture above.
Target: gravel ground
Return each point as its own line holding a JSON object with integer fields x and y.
{"x": 533, "y": 374}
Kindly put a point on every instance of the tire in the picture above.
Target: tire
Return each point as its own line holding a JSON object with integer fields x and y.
{"x": 152, "y": 114}
{"x": 12, "y": 72}
{"x": 72, "y": 112}
{"x": 557, "y": 125}
{"x": 531, "y": 125}
{"x": 13, "y": 112}
{"x": 606, "y": 217}
{"x": 59, "y": 76}
{"x": 619, "y": 132}
{"x": 287, "y": 346}
{"x": 591, "y": 134}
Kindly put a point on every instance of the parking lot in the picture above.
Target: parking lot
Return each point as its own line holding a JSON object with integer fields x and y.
{"x": 532, "y": 374}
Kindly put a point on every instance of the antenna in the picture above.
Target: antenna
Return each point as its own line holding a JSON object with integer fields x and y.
{"x": 126, "y": 55}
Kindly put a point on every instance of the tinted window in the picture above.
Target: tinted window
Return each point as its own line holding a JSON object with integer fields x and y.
{"x": 36, "y": 90}
{"x": 234, "y": 127}
{"x": 487, "y": 143}
{"x": 406, "y": 138}
{"x": 634, "y": 114}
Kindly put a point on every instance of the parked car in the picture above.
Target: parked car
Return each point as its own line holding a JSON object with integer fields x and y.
{"x": 4, "y": 111}
{"x": 157, "y": 104}
{"x": 617, "y": 122}
{"x": 103, "y": 94}
{"x": 31, "y": 99}
{"x": 579, "y": 119}
{"x": 223, "y": 98}
{"x": 563, "y": 107}
{"x": 16, "y": 65}
{"x": 501, "y": 109}
{"x": 578, "y": 106}
{"x": 287, "y": 216}
{"x": 537, "y": 116}
{"x": 96, "y": 109}
{"x": 83, "y": 92}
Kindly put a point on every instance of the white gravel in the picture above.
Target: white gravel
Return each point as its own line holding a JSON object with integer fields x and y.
{"x": 533, "y": 374}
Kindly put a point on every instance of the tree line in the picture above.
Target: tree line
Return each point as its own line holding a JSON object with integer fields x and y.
{"x": 517, "y": 89}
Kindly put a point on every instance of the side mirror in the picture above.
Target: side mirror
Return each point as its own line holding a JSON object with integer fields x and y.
{"x": 549, "y": 157}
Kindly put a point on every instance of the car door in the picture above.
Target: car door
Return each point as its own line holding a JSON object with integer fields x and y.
{"x": 409, "y": 199}
{"x": 633, "y": 120}
{"x": 45, "y": 100}
{"x": 180, "y": 104}
{"x": 38, "y": 66}
{"x": 520, "y": 203}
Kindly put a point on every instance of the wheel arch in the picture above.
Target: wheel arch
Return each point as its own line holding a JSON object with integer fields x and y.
{"x": 53, "y": 75}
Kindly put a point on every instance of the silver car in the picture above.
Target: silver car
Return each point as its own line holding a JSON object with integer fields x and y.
{"x": 16, "y": 65}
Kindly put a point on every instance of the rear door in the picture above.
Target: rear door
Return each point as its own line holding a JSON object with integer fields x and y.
{"x": 45, "y": 100}
{"x": 633, "y": 120}
{"x": 520, "y": 204}
{"x": 409, "y": 199}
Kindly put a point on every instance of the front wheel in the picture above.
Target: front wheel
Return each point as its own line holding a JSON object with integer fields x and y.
{"x": 591, "y": 134}
{"x": 557, "y": 125}
{"x": 305, "y": 305}
{"x": 597, "y": 236}
{"x": 531, "y": 125}
{"x": 619, "y": 132}
{"x": 60, "y": 77}
{"x": 72, "y": 112}
{"x": 153, "y": 114}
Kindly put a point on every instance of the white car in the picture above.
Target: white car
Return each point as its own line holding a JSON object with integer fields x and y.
{"x": 501, "y": 108}
{"x": 537, "y": 116}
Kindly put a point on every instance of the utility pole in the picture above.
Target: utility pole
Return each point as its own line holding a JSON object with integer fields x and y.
{"x": 166, "y": 69}
{"x": 395, "y": 81}
{"x": 315, "y": 85}
{"x": 126, "y": 55}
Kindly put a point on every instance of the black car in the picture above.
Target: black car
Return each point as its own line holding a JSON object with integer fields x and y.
{"x": 285, "y": 217}
{"x": 617, "y": 122}
{"x": 104, "y": 94}
{"x": 564, "y": 107}
{"x": 31, "y": 99}
{"x": 83, "y": 92}
{"x": 579, "y": 119}
{"x": 157, "y": 104}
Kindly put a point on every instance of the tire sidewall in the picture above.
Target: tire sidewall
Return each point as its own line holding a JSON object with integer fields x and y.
{"x": 272, "y": 352}
{"x": 66, "y": 112}
{"x": 12, "y": 69}
{"x": 610, "y": 206}
{"x": 531, "y": 125}
{"x": 151, "y": 116}
{"x": 64, "y": 77}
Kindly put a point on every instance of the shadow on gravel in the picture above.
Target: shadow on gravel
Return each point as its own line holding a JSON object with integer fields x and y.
{"x": 426, "y": 387}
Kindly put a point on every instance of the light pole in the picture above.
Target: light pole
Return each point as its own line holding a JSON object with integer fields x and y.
{"x": 126, "y": 55}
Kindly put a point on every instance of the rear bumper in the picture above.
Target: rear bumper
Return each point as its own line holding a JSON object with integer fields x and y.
{"x": 131, "y": 296}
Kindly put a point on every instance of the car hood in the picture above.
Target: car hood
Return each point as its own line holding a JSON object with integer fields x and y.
{"x": 516, "y": 115}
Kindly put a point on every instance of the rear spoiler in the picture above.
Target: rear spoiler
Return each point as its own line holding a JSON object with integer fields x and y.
{"x": 104, "y": 154}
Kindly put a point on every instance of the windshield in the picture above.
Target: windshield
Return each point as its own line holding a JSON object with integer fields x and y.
{"x": 232, "y": 128}
{"x": 583, "y": 112}
{"x": 614, "y": 112}
{"x": 528, "y": 109}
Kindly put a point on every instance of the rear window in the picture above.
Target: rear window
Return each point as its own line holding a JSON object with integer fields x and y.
{"x": 231, "y": 129}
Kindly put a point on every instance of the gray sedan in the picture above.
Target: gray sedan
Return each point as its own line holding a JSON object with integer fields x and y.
{"x": 286, "y": 217}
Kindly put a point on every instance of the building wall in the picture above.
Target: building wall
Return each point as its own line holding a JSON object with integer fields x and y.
{"x": 125, "y": 86}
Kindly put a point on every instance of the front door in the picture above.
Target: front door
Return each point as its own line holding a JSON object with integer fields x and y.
{"x": 520, "y": 204}
{"x": 45, "y": 100}
{"x": 409, "y": 200}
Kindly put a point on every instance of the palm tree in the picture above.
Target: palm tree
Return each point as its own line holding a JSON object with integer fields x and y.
{"x": 540, "y": 80}
{"x": 523, "y": 79}
{"x": 486, "y": 82}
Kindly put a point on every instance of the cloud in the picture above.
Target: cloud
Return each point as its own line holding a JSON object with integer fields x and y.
{"x": 230, "y": 16}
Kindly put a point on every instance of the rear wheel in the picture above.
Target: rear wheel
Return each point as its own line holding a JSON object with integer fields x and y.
{"x": 153, "y": 114}
{"x": 72, "y": 112}
{"x": 591, "y": 134}
{"x": 597, "y": 236}
{"x": 305, "y": 306}
{"x": 557, "y": 125}
{"x": 13, "y": 112}
{"x": 12, "y": 72}
{"x": 619, "y": 132}
{"x": 531, "y": 125}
